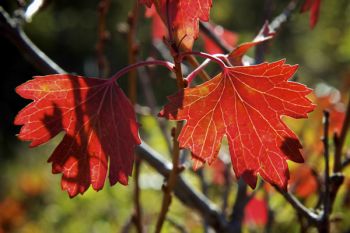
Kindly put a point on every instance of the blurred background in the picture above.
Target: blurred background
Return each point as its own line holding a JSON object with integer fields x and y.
{"x": 30, "y": 197}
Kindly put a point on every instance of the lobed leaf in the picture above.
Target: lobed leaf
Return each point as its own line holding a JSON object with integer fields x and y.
{"x": 99, "y": 124}
{"x": 246, "y": 105}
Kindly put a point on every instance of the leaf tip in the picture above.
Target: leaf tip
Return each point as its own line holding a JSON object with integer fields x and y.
{"x": 250, "y": 178}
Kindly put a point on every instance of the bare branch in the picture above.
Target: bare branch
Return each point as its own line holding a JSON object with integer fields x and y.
{"x": 339, "y": 141}
{"x": 284, "y": 16}
{"x": 12, "y": 29}
{"x": 206, "y": 29}
{"x": 103, "y": 36}
{"x": 32, "y": 9}
{"x": 177, "y": 225}
{"x": 183, "y": 191}
{"x": 326, "y": 196}
{"x": 312, "y": 217}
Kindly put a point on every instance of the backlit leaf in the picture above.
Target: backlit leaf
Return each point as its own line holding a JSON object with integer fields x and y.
{"x": 99, "y": 124}
{"x": 246, "y": 105}
{"x": 184, "y": 16}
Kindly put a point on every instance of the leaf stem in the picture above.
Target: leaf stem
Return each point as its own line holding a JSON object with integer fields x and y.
{"x": 196, "y": 71}
{"x": 131, "y": 67}
{"x": 194, "y": 63}
{"x": 204, "y": 55}
{"x": 199, "y": 69}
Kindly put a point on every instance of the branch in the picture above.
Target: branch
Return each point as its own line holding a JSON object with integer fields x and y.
{"x": 187, "y": 195}
{"x": 208, "y": 31}
{"x": 227, "y": 187}
{"x": 11, "y": 29}
{"x": 284, "y": 16}
{"x": 275, "y": 25}
{"x": 238, "y": 208}
{"x": 312, "y": 217}
{"x": 177, "y": 225}
{"x": 32, "y": 9}
{"x": 326, "y": 197}
{"x": 346, "y": 162}
{"x": 204, "y": 187}
{"x": 132, "y": 82}
{"x": 339, "y": 141}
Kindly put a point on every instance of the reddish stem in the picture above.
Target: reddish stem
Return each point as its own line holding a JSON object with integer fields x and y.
{"x": 204, "y": 55}
{"x": 103, "y": 63}
{"x": 132, "y": 67}
{"x": 198, "y": 70}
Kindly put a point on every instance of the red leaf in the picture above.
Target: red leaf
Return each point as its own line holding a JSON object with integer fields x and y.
{"x": 99, "y": 123}
{"x": 230, "y": 38}
{"x": 246, "y": 105}
{"x": 266, "y": 33}
{"x": 256, "y": 212}
{"x": 314, "y": 7}
{"x": 184, "y": 16}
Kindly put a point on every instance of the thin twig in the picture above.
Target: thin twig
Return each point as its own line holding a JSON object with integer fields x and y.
{"x": 137, "y": 217}
{"x": 103, "y": 35}
{"x": 177, "y": 225}
{"x": 127, "y": 225}
{"x": 33, "y": 8}
{"x": 186, "y": 194}
{"x": 312, "y": 217}
{"x": 209, "y": 32}
{"x": 195, "y": 64}
{"x": 171, "y": 181}
{"x": 238, "y": 208}
{"x": 326, "y": 197}
{"x": 204, "y": 188}
{"x": 339, "y": 141}
{"x": 346, "y": 162}
{"x": 275, "y": 25}
{"x": 170, "y": 184}
{"x": 132, "y": 80}
{"x": 282, "y": 18}
{"x": 132, "y": 51}
{"x": 12, "y": 30}
{"x": 227, "y": 187}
